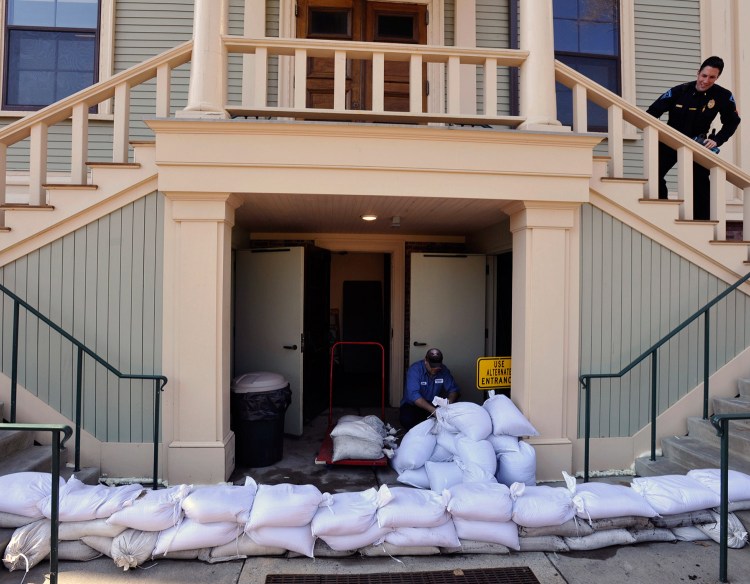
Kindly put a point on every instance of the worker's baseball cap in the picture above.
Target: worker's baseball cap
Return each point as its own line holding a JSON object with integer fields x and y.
{"x": 434, "y": 357}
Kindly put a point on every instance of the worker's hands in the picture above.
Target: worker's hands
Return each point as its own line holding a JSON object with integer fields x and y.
{"x": 708, "y": 143}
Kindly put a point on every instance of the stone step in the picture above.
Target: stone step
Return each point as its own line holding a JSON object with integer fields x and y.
{"x": 732, "y": 405}
{"x": 645, "y": 467}
{"x": 695, "y": 453}
{"x": 743, "y": 387}
{"x": 34, "y": 458}
{"x": 12, "y": 441}
{"x": 739, "y": 435}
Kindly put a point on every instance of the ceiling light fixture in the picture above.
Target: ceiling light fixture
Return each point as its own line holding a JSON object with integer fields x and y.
{"x": 368, "y": 217}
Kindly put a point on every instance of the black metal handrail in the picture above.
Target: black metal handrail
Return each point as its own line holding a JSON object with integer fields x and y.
{"x": 159, "y": 380}
{"x": 57, "y": 444}
{"x": 586, "y": 378}
{"x": 721, "y": 423}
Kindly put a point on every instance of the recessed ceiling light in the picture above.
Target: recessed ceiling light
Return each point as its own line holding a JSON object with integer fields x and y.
{"x": 369, "y": 217}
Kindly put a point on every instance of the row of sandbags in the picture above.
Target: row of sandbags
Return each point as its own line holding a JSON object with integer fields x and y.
{"x": 467, "y": 442}
{"x": 220, "y": 522}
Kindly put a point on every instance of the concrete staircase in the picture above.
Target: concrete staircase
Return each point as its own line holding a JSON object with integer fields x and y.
{"x": 701, "y": 448}
{"x": 19, "y": 453}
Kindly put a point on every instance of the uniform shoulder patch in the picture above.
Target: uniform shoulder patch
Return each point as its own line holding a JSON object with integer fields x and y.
{"x": 667, "y": 94}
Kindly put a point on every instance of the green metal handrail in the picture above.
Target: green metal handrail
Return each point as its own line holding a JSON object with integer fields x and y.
{"x": 586, "y": 378}
{"x": 159, "y": 380}
{"x": 57, "y": 444}
{"x": 721, "y": 423}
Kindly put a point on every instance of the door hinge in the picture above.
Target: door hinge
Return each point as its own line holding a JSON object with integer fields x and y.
{"x": 296, "y": 9}
{"x": 427, "y": 17}
{"x": 427, "y": 88}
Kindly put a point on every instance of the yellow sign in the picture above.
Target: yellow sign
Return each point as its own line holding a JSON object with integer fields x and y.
{"x": 493, "y": 372}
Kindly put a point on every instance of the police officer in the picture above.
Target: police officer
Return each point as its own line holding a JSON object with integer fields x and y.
{"x": 692, "y": 107}
{"x": 426, "y": 379}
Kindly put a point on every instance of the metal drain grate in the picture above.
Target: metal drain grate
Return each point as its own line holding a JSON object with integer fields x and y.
{"x": 521, "y": 575}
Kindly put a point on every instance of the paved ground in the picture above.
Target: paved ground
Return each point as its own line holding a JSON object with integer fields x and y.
{"x": 662, "y": 563}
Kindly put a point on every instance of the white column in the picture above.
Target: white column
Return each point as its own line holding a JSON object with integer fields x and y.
{"x": 466, "y": 36}
{"x": 546, "y": 269}
{"x": 537, "y": 77}
{"x": 197, "y": 281}
{"x": 207, "y": 92}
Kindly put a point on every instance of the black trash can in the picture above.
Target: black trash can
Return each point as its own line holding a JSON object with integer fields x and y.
{"x": 259, "y": 403}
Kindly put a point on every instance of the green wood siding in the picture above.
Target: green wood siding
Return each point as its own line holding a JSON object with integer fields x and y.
{"x": 102, "y": 284}
{"x": 633, "y": 292}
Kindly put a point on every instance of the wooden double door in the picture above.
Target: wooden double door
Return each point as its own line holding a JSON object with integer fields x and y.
{"x": 359, "y": 20}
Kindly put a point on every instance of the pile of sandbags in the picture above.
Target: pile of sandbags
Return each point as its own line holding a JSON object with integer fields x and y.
{"x": 361, "y": 438}
{"x": 467, "y": 442}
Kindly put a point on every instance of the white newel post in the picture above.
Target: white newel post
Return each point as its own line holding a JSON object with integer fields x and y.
{"x": 207, "y": 90}
{"x": 537, "y": 76}
{"x": 197, "y": 286}
{"x": 546, "y": 268}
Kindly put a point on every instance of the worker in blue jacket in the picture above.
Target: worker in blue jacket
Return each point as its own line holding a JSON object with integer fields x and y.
{"x": 426, "y": 379}
{"x": 692, "y": 107}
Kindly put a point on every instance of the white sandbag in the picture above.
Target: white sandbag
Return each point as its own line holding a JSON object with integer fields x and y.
{"x": 473, "y": 473}
{"x": 541, "y": 506}
{"x": 359, "y": 429}
{"x": 82, "y": 502}
{"x": 13, "y": 521}
{"x": 543, "y": 543}
{"x": 285, "y": 505}
{"x": 605, "y": 500}
{"x": 503, "y": 443}
{"x": 388, "y": 549}
{"x": 349, "y": 513}
{"x": 500, "y": 532}
{"x": 736, "y": 532}
{"x": 414, "y": 508}
{"x": 190, "y": 535}
{"x": 443, "y": 475}
{"x": 69, "y": 531}
{"x": 442, "y": 536}
{"x": 690, "y": 533}
{"x": 506, "y": 418}
{"x": 469, "y": 546}
{"x": 76, "y": 551}
{"x": 100, "y": 543}
{"x": 416, "y": 447}
{"x": 478, "y": 452}
{"x": 416, "y": 477}
{"x": 373, "y": 535}
{"x": 29, "y": 545}
{"x": 672, "y": 494}
{"x": 153, "y": 510}
{"x": 574, "y": 527}
{"x": 446, "y": 440}
{"x": 481, "y": 502}
{"x": 441, "y": 454}
{"x": 22, "y": 492}
{"x": 133, "y": 548}
{"x": 653, "y": 534}
{"x": 350, "y": 448}
{"x": 683, "y": 519}
{"x": 738, "y": 487}
{"x": 601, "y": 539}
{"x": 216, "y": 503}
{"x": 296, "y": 539}
{"x": 374, "y": 422}
{"x": 517, "y": 467}
{"x": 467, "y": 418}
{"x": 242, "y": 547}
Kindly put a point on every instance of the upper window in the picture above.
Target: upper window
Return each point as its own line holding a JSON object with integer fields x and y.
{"x": 587, "y": 38}
{"x": 51, "y": 50}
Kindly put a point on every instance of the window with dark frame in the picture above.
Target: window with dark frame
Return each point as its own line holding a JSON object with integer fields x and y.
{"x": 587, "y": 38}
{"x": 51, "y": 51}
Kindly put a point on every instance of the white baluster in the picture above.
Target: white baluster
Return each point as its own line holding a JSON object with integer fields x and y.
{"x": 260, "y": 83}
{"x": 746, "y": 216}
{"x": 415, "y": 84}
{"x": 300, "y": 78}
{"x": 163, "y": 90}
{"x": 651, "y": 162}
{"x": 615, "y": 141}
{"x": 378, "y": 82}
{"x": 121, "y": 129}
{"x": 38, "y": 164}
{"x": 339, "y": 81}
{"x": 79, "y": 144}
{"x": 685, "y": 181}
{"x": 4, "y": 179}
{"x": 454, "y": 85}
{"x": 490, "y": 87}
{"x": 719, "y": 202}
{"x": 580, "y": 109}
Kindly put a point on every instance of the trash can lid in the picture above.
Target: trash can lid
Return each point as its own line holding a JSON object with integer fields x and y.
{"x": 258, "y": 381}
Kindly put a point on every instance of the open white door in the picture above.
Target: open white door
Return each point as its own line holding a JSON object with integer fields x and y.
{"x": 447, "y": 308}
{"x": 269, "y": 289}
